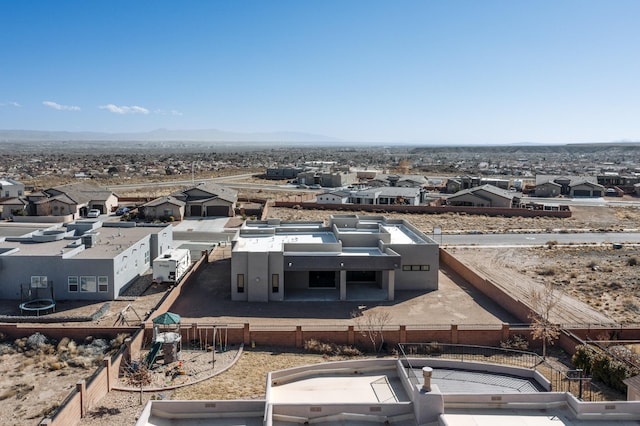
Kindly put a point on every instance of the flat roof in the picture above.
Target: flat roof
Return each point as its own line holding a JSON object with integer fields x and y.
{"x": 275, "y": 242}
{"x": 400, "y": 234}
{"x": 110, "y": 241}
{"x": 13, "y": 229}
{"x": 373, "y": 387}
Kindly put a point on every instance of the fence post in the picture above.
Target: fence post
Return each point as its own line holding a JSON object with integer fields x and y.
{"x": 107, "y": 365}
{"x": 81, "y": 387}
{"x": 246, "y": 334}
{"x": 505, "y": 332}
{"x": 298, "y": 336}
{"x": 351, "y": 335}
{"x": 403, "y": 334}
{"x": 454, "y": 334}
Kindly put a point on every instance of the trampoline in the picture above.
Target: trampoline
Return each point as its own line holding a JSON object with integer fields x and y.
{"x": 38, "y": 306}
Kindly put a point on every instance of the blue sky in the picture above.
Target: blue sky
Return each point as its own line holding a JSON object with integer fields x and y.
{"x": 407, "y": 71}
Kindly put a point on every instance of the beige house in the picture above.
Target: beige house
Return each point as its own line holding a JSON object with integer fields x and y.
{"x": 164, "y": 207}
{"x": 72, "y": 201}
{"x": 208, "y": 199}
{"x": 485, "y": 196}
{"x": 14, "y": 206}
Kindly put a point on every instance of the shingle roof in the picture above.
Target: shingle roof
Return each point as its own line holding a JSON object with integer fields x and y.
{"x": 217, "y": 191}
{"x": 163, "y": 200}
{"x": 80, "y": 192}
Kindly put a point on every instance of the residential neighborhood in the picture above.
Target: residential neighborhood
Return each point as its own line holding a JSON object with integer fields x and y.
{"x": 219, "y": 243}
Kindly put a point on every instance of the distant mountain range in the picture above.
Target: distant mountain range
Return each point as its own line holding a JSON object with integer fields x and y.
{"x": 164, "y": 135}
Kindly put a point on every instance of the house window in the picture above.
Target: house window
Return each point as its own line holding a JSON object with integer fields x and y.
{"x": 38, "y": 282}
{"x": 103, "y": 284}
{"x": 240, "y": 283}
{"x": 416, "y": 267}
{"x": 72, "y": 282}
{"x": 275, "y": 283}
{"x": 146, "y": 257}
{"x": 88, "y": 284}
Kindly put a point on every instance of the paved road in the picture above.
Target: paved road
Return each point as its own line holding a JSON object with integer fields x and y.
{"x": 540, "y": 239}
{"x": 176, "y": 182}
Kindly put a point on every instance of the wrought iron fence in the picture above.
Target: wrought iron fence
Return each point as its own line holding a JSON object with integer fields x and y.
{"x": 571, "y": 381}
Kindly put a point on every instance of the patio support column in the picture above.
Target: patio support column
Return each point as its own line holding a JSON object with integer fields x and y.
{"x": 343, "y": 284}
{"x": 391, "y": 284}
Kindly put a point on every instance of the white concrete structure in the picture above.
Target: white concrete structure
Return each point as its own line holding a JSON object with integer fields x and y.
{"x": 391, "y": 391}
{"x": 351, "y": 258}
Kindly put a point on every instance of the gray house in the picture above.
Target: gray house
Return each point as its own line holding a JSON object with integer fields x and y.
{"x": 86, "y": 260}
{"x": 10, "y": 188}
{"x": 571, "y": 186}
{"x": 586, "y": 189}
{"x": 352, "y": 258}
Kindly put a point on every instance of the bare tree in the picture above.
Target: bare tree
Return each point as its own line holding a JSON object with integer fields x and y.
{"x": 138, "y": 374}
{"x": 543, "y": 304}
{"x": 371, "y": 325}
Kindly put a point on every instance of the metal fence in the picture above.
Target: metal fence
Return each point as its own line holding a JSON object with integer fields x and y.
{"x": 571, "y": 381}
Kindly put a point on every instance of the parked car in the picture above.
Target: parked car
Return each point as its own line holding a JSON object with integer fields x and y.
{"x": 93, "y": 213}
{"x": 122, "y": 210}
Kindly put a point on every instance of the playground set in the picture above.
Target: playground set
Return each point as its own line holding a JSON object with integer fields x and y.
{"x": 167, "y": 339}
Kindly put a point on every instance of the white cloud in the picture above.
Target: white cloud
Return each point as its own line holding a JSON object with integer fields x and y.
{"x": 134, "y": 109}
{"x": 10, "y": 104}
{"x": 171, "y": 112}
{"x": 59, "y": 107}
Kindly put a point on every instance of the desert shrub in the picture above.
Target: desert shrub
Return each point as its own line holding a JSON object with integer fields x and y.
{"x": 630, "y": 304}
{"x": 547, "y": 272}
{"x": 318, "y": 347}
{"x": 582, "y": 358}
{"x": 346, "y": 350}
{"x": 515, "y": 342}
{"x": 632, "y": 261}
{"x": 602, "y": 367}
{"x": 322, "y": 348}
{"x": 552, "y": 244}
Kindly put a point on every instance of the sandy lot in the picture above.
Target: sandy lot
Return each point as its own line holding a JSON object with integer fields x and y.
{"x": 604, "y": 280}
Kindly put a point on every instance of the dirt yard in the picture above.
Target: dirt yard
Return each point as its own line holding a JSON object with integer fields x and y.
{"x": 602, "y": 278}
{"x": 36, "y": 375}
